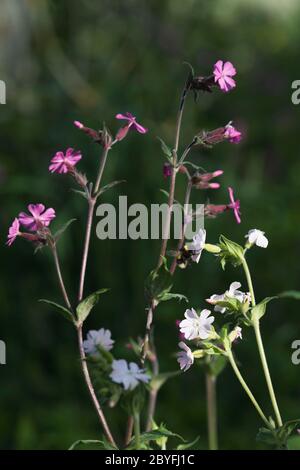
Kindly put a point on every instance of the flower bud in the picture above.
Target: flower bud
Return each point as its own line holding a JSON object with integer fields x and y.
{"x": 101, "y": 137}
{"x": 212, "y": 248}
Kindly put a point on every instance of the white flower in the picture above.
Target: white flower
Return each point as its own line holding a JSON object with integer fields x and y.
{"x": 128, "y": 375}
{"x": 100, "y": 338}
{"x": 196, "y": 326}
{"x": 197, "y": 245}
{"x": 185, "y": 357}
{"x": 232, "y": 293}
{"x": 257, "y": 237}
{"x": 235, "y": 334}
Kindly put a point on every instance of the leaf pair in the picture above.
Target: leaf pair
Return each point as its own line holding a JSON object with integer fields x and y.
{"x": 83, "y": 309}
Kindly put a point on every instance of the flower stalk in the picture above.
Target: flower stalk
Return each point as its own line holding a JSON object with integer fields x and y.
{"x": 246, "y": 388}
{"x": 261, "y": 350}
{"x": 211, "y": 403}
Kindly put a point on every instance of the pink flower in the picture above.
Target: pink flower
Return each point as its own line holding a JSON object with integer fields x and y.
{"x": 213, "y": 210}
{"x": 131, "y": 124}
{"x": 223, "y": 73}
{"x": 13, "y": 232}
{"x": 39, "y": 217}
{"x": 79, "y": 124}
{"x": 202, "y": 180}
{"x": 63, "y": 163}
{"x": 234, "y": 205}
{"x": 232, "y": 134}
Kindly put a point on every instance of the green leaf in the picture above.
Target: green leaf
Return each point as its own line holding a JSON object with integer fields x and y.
{"x": 166, "y": 150}
{"x": 278, "y": 438}
{"x": 293, "y": 443}
{"x": 230, "y": 252}
{"x": 188, "y": 445}
{"x": 109, "y": 186}
{"x": 266, "y": 436}
{"x": 259, "y": 310}
{"x": 158, "y": 283}
{"x": 104, "y": 445}
{"x": 290, "y": 294}
{"x": 62, "y": 310}
{"x": 216, "y": 364}
{"x": 169, "y": 296}
{"x": 153, "y": 436}
{"x": 83, "y": 309}
{"x": 81, "y": 193}
{"x": 59, "y": 232}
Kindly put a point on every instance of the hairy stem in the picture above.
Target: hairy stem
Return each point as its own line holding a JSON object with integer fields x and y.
{"x": 181, "y": 241}
{"x": 163, "y": 249}
{"x": 246, "y": 388}
{"x": 101, "y": 169}
{"x": 86, "y": 247}
{"x": 137, "y": 431}
{"x": 91, "y": 208}
{"x": 153, "y": 393}
{"x": 266, "y": 371}
{"x": 256, "y": 326}
{"x": 91, "y": 390}
{"x": 129, "y": 430}
{"x": 211, "y": 411}
{"x": 60, "y": 278}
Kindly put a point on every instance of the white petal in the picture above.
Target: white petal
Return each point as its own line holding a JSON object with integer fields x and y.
{"x": 262, "y": 241}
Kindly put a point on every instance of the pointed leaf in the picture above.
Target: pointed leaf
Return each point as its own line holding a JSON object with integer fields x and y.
{"x": 109, "y": 186}
{"x": 259, "y": 310}
{"x": 59, "y": 232}
{"x": 62, "y": 310}
{"x": 188, "y": 445}
{"x": 83, "y": 309}
{"x": 166, "y": 149}
{"x": 290, "y": 294}
{"x": 104, "y": 445}
{"x": 169, "y": 296}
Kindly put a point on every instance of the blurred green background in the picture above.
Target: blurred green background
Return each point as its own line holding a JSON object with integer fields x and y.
{"x": 65, "y": 60}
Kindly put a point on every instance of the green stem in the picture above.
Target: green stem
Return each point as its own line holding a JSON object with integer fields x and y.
{"x": 137, "y": 430}
{"x": 211, "y": 411}
{"x": 260, "y": 346}
{"x": 246, "y": 388}
{"x": 266, "y": 371}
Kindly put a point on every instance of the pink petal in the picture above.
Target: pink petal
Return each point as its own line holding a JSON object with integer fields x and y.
{"x": 230, "y": 190}
{"x": 122, "y": 116}
{"x": 230, "y": 82}
{"x": 47, "y": 216}
{"x": 36, "y": 209}
{"x": 78, "y": 124}
{"x": 219, "y": 66}
{"x": 222, "y": 84}
{"x": 229, "y": 69}
{"x": 139, "y": 128}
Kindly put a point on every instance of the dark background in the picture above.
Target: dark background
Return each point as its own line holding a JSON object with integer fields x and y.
{"x": 89, "y": 60}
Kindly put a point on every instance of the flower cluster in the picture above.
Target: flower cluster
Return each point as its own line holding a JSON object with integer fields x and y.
{"x": 232, "y": 293}
{"x": 128, "y": 375}
{"x": 36, "y": 221}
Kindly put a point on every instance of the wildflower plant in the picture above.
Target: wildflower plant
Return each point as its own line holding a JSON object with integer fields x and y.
{"x": 208, "y": 338}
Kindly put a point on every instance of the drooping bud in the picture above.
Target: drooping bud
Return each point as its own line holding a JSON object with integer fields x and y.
{"x": 101, "y": 137}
